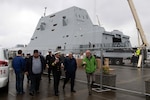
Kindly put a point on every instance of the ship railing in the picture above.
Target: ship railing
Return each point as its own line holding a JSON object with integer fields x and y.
{"x": 105, "y": 45}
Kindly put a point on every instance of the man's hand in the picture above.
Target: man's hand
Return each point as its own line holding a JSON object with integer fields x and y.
{"x": 47, "y": 66}
{"x": 56, "y": 61}
{"x": 26, "y": 73}
{"x": 62, "y": 65}
{"x": 84, "y": 63}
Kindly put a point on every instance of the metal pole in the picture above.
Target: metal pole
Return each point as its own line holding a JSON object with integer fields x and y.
{"x": 101, "y": 70}
{"x": 101, "y": 73}
{"x": 142, "y": 68}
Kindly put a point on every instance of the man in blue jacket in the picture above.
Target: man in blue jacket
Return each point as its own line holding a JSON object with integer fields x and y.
{"x": 70, "y": 67}
{"x": 18, "y": 64}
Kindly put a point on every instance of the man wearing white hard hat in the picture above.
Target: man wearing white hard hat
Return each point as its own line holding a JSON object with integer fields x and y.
{"x": 56, "y": 69}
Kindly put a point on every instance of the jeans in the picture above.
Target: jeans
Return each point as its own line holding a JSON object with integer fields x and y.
{"x": 19, "y": 82}
{"x": 90, "y": 80}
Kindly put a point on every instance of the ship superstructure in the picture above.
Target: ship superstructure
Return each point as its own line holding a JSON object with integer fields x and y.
{"x": 72, "y": 30}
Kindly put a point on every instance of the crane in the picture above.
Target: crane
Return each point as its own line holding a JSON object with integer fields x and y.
{"x": 139, "y": 29}
{"x": 138, "y": 24}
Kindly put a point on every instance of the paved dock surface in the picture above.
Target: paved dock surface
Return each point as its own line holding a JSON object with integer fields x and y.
{"x": 130, "y": 83}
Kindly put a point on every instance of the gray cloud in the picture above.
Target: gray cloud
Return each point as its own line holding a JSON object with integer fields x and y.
{"x": 20, "y": 17}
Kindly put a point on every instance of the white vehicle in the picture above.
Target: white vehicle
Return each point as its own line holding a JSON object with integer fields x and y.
{"x": 4, "y": 70}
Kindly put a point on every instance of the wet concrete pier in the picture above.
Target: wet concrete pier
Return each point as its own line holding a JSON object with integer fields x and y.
{"x": 130, "y": 85}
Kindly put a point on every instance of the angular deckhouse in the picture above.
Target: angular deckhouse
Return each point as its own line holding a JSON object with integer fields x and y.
{"x": 71, "y": 29}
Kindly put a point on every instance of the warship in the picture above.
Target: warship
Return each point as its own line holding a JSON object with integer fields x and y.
{"x": 71, "y": 30}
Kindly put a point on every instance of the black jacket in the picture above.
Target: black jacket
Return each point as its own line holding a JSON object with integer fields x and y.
{"x": 56, "y": 68}
{"x": 29, "y": 65}
{"x": 70, "y": 65}
{"x": 49, "y": 60}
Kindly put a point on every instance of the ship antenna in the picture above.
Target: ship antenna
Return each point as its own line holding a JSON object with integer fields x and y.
{"x": 98, "y": 20}
{"x": 45, "y": 11}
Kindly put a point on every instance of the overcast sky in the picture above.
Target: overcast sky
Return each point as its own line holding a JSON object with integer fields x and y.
{"x": 18, "y": 18}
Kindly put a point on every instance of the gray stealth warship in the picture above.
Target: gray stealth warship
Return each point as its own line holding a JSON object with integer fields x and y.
{"x": 72, "y": 30}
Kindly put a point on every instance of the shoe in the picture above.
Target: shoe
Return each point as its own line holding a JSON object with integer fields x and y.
{"x": 31, "y": 93}
{"x": 90, "y": 93}
{"x": 92, "y": 84}
{"x": 56, "y": 94}
{"x": 37, "y": 91}
{"x": 18, "y": 93}
{"x": 22, "y": 92}
{"x": 63, "y": 87}
{"x": 49, "y": 80}
{"x": 73, "y": 91}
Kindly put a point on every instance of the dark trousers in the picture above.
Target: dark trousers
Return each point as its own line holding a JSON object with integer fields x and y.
{"x": 28, "y": 77}
{"x": 49, "y": 73}
{"x": 35, "y": 82}
{"x": 70, "y": 76}
{"x": 56, "y": 76}
{"x": 19, "y": 82}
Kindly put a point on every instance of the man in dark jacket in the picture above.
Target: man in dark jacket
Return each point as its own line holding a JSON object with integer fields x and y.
{"x": 26, "y": 59}
{"x": 49, "y": 59}
{"x": 34, "y": 67}
{"x": 18, "y": 64}
{"x": 70, "y": 67}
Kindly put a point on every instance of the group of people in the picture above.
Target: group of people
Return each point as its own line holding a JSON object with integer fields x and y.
{"x": 34, "y": 65}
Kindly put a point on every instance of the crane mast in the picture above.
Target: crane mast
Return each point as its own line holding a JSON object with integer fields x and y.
{"x": 138, "y": 24}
